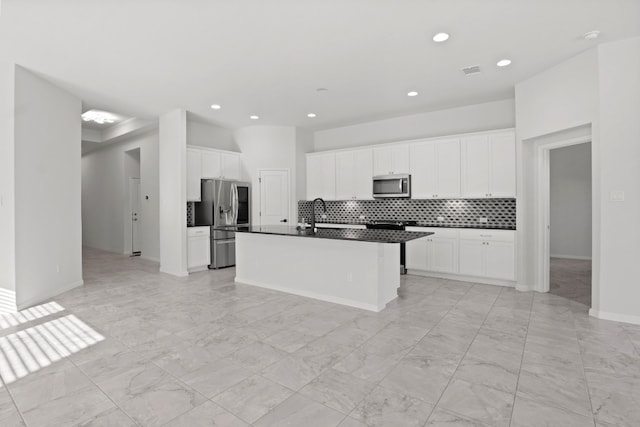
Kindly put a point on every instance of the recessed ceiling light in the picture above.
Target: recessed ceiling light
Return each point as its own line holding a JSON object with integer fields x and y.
{"x": 100, "y": 117}
{"x": 591, "y": 35}
{"x": 322, "y": 89}
{"x": 215, "y": 106}
{"x": 503, "y": 62}
{"x": 412, "y": 93}
{"x": 441, "y": 37}
{"x": 312, "y": 115}
{"x": 254, "y": 117}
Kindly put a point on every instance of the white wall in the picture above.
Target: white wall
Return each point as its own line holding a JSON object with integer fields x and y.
{"x": 560, "y": 98}
{"x": 570, "y": 201}
{"x": 105, "y": 189}
{"x": 47, "y": 189}
{"x": 304, "y": 145}
{"x": 173, "y": 192}
{"x": 535, "y": 98}
{"x": 208, "y": 135}
{"x": 471, "y": 118}
{"x": 268, "y": 147}
{"x": 7, "y": 182}
{"x": 619, "y": 164}
{"x": 605, "y": 98}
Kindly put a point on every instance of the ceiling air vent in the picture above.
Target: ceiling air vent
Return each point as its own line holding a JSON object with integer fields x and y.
{"x": 468, "y": 71}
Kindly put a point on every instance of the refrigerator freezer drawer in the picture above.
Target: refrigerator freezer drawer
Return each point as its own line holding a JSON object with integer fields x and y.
{"x": 223, "y": 253}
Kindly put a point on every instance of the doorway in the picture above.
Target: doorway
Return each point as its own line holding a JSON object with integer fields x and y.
{"x": 564, "y": 224}
{"x": 275, "y": 197}
{"x": 570, "y": 222}
{"x": 132, "y": 212}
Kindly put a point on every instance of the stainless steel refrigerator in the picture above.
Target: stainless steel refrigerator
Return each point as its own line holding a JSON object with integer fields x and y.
{"x": 224, "y": 205}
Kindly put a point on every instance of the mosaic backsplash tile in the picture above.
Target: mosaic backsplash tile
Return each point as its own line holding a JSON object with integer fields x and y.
{"x": 500, "y": 213}
{"x": 190, "y": 209}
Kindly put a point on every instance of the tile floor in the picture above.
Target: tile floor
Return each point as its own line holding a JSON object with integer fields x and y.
{"x": 135, "y": 347}
{"x": 571, "y": 278}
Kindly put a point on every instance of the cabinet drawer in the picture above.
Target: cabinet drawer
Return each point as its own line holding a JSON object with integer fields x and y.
{"x": 445, "y": 233}
{"x": 489, "y": 235}
{"x": 198, "y": 231}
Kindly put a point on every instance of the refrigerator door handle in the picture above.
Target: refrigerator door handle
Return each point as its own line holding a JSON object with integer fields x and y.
{"x": 234, "y": 202}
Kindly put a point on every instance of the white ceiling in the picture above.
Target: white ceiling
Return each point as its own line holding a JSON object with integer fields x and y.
{"x": 145, "y": 57}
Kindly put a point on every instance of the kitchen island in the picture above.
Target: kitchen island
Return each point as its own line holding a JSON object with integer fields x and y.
{"x": 354, "y": 267}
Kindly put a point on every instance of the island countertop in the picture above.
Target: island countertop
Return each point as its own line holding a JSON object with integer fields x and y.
{"x": 367, "y": 235}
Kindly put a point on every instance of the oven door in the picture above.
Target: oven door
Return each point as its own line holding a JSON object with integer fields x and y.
{"x": 391, "y": 186}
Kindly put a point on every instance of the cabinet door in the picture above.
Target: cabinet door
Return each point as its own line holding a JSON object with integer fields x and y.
{"x": 443, "y": 255}
{"x": 198, "y": 252}
{"x": 321, "y": 176}
{"x": 382, "y": 161}
{"x": 400, "y": 159}
{"x": 194, "y": 174}
{"x": 471, "y": 257}
{"x": 345, "y": 175}
{"x": 502, "y": 181}
{"x": 211, "y": 165}
{"x": 500, "y": 260}
{"x": 475, "y": 166}
{"x": 423, "y": 170}
{"x": 230, "y": 166}
{"x": 363, "y": 174}
{"x": 447, "y": 169}
{"x": 416, "y": 254}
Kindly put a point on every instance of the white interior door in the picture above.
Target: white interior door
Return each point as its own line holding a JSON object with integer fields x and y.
{"x": 274, "y": 197}
{"x": 134, "y": 208}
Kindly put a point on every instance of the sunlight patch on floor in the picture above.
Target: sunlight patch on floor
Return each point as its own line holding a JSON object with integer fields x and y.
{"x": 9, "y": 320}
{"x": 34, "y": 348}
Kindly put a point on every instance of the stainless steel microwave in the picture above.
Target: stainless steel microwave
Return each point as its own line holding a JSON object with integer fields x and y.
{"x": 389, "y": 186}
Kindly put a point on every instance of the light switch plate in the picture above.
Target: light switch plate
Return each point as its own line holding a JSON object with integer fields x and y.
{"x": 616, "y": 196}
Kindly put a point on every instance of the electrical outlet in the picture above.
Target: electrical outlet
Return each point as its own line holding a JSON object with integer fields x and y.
{"x": 440, "y": 218}
{"x": 349, "y": 277}
{"x": 616, "y": 196}
{"x": 361, "y": 217}
{"x": 57, "y": 268}
{"x": 483, "y": 219}
{"x": 323, "y": 216}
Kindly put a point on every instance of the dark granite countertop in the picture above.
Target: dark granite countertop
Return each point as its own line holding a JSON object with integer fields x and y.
{"x": 432, "y": 225}
{"x": 376, "y": 236}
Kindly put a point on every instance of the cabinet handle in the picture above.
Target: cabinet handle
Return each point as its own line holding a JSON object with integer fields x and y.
{"x": 486, "y": 235}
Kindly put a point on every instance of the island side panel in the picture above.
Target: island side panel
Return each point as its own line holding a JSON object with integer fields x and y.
{"x": 357, "y": 274}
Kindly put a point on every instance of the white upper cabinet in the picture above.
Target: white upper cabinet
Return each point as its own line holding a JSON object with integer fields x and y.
{"x": 230, "y": 166}
{"x": 321, "y": 176}
{"x": 194, "y": 171}
{"x": 391, "y": 160}
{"x": 354, "y": 172}
{"x": 211, "y": 164}
{"x": 435, "y": 169}
{"x": 489, "y": 165}
{"x": 502, "y": 179}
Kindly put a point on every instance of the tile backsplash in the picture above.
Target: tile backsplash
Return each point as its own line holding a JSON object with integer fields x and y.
{"x": 190, "y": 209}
{"x": 499, "y": 213}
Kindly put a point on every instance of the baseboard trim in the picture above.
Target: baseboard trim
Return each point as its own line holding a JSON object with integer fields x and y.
{"x": 585, "y": 258}
{"x": 174, "y": 273}
{"x": 616, "y": 317}
{"x": 33, "y": 301}
{"x": 321, "y": 297}
{"x": 460, "y": 278}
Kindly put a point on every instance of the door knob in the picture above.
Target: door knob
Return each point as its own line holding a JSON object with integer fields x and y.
{"x": 283, "y": 220}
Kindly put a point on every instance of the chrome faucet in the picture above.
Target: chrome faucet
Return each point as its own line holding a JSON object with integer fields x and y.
{"x": 313, "y": 212}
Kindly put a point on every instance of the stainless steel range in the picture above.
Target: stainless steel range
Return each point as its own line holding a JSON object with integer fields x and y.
{"x": 394, "y": 225}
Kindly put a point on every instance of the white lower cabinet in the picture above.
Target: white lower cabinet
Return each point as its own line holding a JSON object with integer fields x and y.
{"x": 198, "y": 248}
{"x": 478, "y": 253}
{"x": 488, "y": 253}
{"x": 438, "y": 252}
